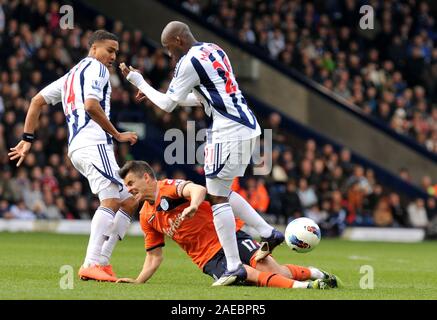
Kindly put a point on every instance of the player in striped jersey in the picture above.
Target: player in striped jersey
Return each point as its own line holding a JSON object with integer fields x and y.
{"x": 85, "y": 93}
{"x": 204, "y": 77}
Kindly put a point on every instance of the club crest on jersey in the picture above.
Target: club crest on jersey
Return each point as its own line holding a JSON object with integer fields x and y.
{"x": 164, "y": 204}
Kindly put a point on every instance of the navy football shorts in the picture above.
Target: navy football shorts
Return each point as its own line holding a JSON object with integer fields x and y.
{"x": 247, "y": 248}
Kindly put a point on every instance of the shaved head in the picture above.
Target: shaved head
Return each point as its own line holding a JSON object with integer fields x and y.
{"x": 175, "y": 29}
{"x": 177, "y": 38}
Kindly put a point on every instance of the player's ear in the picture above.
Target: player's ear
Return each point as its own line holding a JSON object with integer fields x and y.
{"x": 93, "y": 48}
{"x": 146, "y": 176}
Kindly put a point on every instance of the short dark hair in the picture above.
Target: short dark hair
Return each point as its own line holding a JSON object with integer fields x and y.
{"x": 100, "y": 35}
{"x": 137, "y": 167}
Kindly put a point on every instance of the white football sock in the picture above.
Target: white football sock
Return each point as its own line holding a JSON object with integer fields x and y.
{"x": 224, "y": 222}
{"x": 100, "y": 228}
{"x": 300, "y": 285}
{"x": 243, "y": 210}
{"x": 119, "y": 228}
{"x": 316, "y": 273}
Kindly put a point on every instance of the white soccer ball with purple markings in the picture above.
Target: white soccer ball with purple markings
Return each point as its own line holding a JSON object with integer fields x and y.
{"x": 302, "y": 235}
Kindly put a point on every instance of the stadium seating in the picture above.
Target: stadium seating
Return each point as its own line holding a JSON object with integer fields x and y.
{"x": 306, "y": 178}
{"x": 395, "y": 84}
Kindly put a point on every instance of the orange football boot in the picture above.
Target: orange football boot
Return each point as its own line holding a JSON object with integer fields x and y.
{"x": 95, "y": 272}
{"x": 108, "y": 270}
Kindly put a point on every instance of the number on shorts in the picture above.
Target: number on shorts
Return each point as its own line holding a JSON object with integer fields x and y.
{"x": 249, "y": 244}
{"x": 209, "y": 154}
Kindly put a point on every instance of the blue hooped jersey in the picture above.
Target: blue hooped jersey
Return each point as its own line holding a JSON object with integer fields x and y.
{"x": 206, "y": 71}
{"x": 87, "y": 79}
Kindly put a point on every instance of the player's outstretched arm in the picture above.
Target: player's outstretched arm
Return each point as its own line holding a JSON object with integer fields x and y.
{"x": 196, "y": 193}
{"x": 96, "y": 113}
{"x": 151, "y": 264}
{"x": 21, "y": 150}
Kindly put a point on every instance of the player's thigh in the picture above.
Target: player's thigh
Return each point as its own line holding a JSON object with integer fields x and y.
{"x": 225, "y": 161}
{"x": 216, "y": 266}
{"x": 129, "y": 204}
{"x": 246, "y": 247}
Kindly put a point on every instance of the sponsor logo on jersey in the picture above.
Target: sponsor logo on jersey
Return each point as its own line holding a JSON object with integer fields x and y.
{"x": 95, "y": 84}
{"x": 174, "y": 225}
{"x": 164, "y": 204}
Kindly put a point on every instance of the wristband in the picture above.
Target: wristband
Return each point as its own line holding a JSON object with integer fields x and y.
{"x": 28, "y": 137}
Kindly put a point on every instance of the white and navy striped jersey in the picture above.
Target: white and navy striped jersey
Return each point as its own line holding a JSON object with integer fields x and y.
{"x": 87, "y": 79}
{"x": 206, "y": 71}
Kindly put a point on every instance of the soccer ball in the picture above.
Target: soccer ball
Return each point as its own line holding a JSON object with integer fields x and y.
{"x": 302, "y": 235}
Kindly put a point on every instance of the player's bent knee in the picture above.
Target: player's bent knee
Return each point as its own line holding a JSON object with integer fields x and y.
{"x": 129, "y": 205}
{"x": 217, "y": 199}
{"x": 112, "y": 203}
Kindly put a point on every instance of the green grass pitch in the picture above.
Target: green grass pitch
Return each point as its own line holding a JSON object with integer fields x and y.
{"x": 30, "y": 266}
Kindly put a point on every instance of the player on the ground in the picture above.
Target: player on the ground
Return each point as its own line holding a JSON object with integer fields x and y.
{"x": 85, "y": 93}
{"x": 204, "y": 77}
{"x": 177, "y": 208}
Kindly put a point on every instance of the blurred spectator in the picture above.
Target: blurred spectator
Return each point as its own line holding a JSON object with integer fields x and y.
{"x": 291, "y": 204}
{"x": 417, "y": 214}
{"x": 335, "y": 223}
{"x": 307, "y": 195}
{"x": 20, "y": 211}
{"x": 382, "y": 216}
{"x": 256, "y": 194}
{"x": 314, "y": 212}
{"x": 398, "y": 211}
{"x": 52, "y": 212}
{"x": 5, "y": 211}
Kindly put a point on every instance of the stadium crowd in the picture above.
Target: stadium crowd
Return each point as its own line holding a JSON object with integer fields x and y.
{"x": 390, "y": 72}
{"x": 306, "y": 179}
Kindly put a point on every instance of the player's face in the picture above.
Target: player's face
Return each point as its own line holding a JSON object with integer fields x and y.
{"x": 105, "y": 51}
{"x": 139, "y": 186}
{"x": 174, "y": 48}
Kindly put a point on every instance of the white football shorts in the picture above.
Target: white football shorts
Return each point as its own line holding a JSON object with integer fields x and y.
{"x": 224, "y": 161}
{"x": 97, "y": 163}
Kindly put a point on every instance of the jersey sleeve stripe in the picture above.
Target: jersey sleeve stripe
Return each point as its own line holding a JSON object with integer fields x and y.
{"x": 157, "y": 246}
{"x": 82, "y": 81}
{"x": 180, "y": 188}
{"x": 103, "y": 105}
